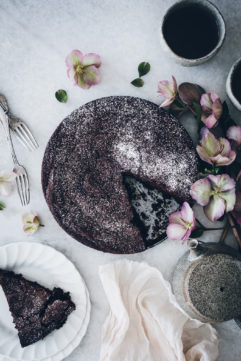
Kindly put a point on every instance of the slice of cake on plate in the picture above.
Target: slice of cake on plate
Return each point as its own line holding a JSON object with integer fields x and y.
{"x": 36, "y": 310}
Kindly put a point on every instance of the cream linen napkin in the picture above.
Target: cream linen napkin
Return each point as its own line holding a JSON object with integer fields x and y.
{"x": 145, "y": 322}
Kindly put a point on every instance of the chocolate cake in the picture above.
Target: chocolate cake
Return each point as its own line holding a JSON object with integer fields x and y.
{"x": 36, "y": 310}
{"x": 95, "y": 149}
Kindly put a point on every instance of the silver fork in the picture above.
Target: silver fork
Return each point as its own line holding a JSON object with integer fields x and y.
{"x": 20, "y": 129}
{"x": 21, "y": 174}
{"x": 22, "y": 132}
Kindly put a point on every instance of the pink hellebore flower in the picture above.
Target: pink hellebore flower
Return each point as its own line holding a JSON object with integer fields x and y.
{"x": 82, "y": 69}
{"x": 168, "y": 90}
{"x": 6, "y": 182}
{"x": 215, "y": 151}
{"x": 181, "y": 224}
{"x": 216, "y": 194}
{"x": 234, "y": 133}
{"x": 211, "y": 109}
{"x": 30, "y": 223}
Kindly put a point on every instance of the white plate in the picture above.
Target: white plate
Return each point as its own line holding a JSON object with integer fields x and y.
{"x": 50, "y": 268}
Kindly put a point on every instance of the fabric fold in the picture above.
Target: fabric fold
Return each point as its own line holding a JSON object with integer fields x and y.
{"x": 145, "y": 323}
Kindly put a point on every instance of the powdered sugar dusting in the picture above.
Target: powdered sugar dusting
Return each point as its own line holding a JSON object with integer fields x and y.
{"x": 90, "y": 153}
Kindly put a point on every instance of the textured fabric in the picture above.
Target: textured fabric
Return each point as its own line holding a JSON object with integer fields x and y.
{"x": 145, "y": 322}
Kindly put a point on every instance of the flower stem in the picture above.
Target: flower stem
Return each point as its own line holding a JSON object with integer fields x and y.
{"x": 224, "y": 233}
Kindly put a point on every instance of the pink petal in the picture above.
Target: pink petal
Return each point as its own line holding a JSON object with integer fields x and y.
{"x": 174, "y": 84}
{"x": 225, "y": 146}
{"x": 166, "y": 89}
{"x": 29, "y": 217}
{"x": 211, "y": 144}
{"x": 187, "y": 213}
{"x": 215, "y": 209}
{"x": 5, "y": 188}
{"x": 176, "y": 217}
{"x": 92, "y": 59}
{"x": 221, "y": 160}
{"x": 209, "y": 121}
{"x": 80, "y": 81}
{"x": 217, "y": 108}
{"x": 29, "y": 229}
{"x": 176, "y": 232}
{"x": 74, "y": 58}
{"x": 201, "y": 191}
{"x": 7, "y": 176}
{"x": 187, "y": 235}
{"x": 214, "y": 96}
{"x": 234, "y": 133}
{"x": 72, "y": 75}
{"x": 204, "y": 131}
{"x": 230, "y": 199}
{"x": 6, "y": 182}
{"x": 206, "y": 103}
{"x": 222, "y": 181}
{"x": 91, "y": 75}
{"x": 203, "y": 154}
{"x": 166, "y": 103}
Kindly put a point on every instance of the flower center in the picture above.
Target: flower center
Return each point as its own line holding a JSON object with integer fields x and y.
{"x": 79, "y": 69}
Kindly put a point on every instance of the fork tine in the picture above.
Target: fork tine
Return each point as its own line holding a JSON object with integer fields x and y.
{"x": 26, "y": 129}
{"x": 23, "y": 189}
{"x": 19, "y": 190}
{"x": 22, "y": 139}
{"x": 25, "y": 176}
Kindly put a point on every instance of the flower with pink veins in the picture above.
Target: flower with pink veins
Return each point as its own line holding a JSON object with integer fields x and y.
{"x": 216, "y": 152}
{"x": 211, "y": 109}
{"x": 234, "y": 134}
{"x": 216, "y": 194}
{"x": 168, "y": 90}
{"x": 181, "y": 224}
{"x": 6, "y": 182}
{"x": 83, "y": 69}
{"x": 30, "y": 223}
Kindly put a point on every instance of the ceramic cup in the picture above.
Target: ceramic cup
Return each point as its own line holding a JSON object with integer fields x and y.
{"x": 217, "y": 21}
{"x": 230, "y": 84}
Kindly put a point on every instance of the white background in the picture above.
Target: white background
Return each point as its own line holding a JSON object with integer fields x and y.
{"x": 35, "y": 37}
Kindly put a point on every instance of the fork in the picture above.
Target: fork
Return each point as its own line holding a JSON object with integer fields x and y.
{"x": 23, "y": 133}
{"x": 21, "y": 174}
{"x": 20, "y": 129}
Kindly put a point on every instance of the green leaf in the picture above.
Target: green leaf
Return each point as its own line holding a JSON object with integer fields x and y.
{"x": 138, "y": 82}
{"x": 2, "y": 206}
{"x": 196, "y": 233}
{"x": 198, "y": 110}
{"x": 143, "y": 68}
{"x": 61, "y": 96}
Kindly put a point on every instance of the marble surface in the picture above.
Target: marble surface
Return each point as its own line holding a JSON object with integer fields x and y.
{"x": 35, "y": 37}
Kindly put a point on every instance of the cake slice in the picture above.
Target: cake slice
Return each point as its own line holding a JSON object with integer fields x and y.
{"x": 36, "y": 310}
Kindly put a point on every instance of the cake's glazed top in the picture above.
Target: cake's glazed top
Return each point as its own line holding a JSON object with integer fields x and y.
{"x": 88, "y": 154}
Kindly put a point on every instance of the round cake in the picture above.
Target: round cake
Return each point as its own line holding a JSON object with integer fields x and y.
{"x": 95, "y": 149}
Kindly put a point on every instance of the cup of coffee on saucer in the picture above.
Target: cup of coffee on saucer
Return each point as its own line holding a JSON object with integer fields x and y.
{"x": 233, "y": 84}
{"x": 192, "y": 31}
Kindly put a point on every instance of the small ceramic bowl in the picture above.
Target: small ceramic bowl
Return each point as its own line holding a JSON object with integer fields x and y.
{"x": 229, "y": 89}
{"x": 221, "y": 32}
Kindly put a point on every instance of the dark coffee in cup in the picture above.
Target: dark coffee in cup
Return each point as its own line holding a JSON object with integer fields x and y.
{"x": 236, "y": 82}
{"x": 191, "y": 29}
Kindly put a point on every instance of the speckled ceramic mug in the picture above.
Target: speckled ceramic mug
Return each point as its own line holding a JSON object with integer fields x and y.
{"x": 230, "y": 82}
{"x": 216, "y": 20}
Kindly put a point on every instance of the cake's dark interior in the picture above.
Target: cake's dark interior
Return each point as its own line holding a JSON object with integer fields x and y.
{"x": 114, "y": 170}
{"x": 36, "y": 310}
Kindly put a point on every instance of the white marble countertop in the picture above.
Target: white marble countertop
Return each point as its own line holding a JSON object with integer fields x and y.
{"x": 35, "y": 37}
